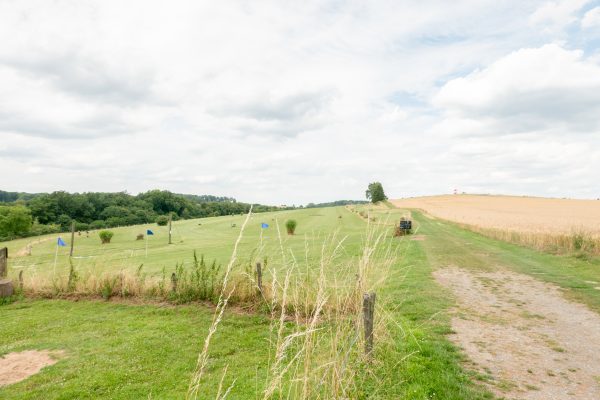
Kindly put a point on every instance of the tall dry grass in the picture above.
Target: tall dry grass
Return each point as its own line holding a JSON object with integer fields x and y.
{"x": 553, "y": 225}
{"x": 579, "y": 241}
{"x": 316, "y": 346}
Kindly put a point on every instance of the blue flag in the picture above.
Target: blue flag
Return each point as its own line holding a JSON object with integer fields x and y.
{"x": 149, "y": 232}
{"x": 263, "y": 225}
{"x": 61, "y": 242}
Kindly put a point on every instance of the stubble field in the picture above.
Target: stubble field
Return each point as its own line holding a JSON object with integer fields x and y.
{"x": 556, "y": 225}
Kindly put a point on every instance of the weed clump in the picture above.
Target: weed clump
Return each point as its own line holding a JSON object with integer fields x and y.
{"x": 201, "y": 282}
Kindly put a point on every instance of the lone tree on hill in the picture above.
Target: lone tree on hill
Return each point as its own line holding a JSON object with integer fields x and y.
{"x": 375, "y": 192}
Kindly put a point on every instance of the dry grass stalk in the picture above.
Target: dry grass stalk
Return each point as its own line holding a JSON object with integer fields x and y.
{"x": 194, "y": 386}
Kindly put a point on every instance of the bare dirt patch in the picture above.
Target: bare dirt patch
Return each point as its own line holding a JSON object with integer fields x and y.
{"x": 417, "y": 237}
{"x": 524, "y": 335}
{"x": 15, "y": 367}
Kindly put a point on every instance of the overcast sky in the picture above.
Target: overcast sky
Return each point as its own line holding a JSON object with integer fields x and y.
{"x": 298, "y": 101}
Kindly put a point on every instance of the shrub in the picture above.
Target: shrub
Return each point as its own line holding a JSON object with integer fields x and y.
{"x": 107, "y": 287}
{"x": 578, "y": 240}
{"x": 162, "y": 220}
{"x": 98, "y": 224}
{"x": 64, "y": 221}
{"x": 113, "y": 222}
{"x": 40, "y": 229}
{"x": 202, "y": 282}
{"x": 82, "y": 226}
{"x": 105, "y": 236}
{"x": 73, "y": 277}
{"x": 290, "y": 225}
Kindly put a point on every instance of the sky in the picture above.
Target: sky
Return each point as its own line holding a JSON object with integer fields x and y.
{"x": 283, "y": 102}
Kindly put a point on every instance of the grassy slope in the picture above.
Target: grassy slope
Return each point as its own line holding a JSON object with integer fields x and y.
{"x": 127, "y": 352}
{"x": 213, "y": 237}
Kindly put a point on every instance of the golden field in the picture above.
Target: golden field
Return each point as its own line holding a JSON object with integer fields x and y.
{"x": 549, "y": 224}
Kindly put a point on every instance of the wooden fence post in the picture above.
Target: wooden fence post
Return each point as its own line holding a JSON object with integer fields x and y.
{"x": 259, "y": 276}
{"x": 174, "y": 282}
{"x": 170, "y": 219}
{"x": 72, "y": 238}
{"x": 368, "y": 318}
{"x": 6, "y": 287}
{"x": 3, "y": 262}
{"x": 21, "y": 280}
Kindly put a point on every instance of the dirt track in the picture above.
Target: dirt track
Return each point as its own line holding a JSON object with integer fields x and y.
{"x": 524, "y": 335}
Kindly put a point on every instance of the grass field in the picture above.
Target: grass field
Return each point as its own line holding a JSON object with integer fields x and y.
{"x": 135, "y": 349}
{"x": 211, "y": 237}
{"x": 111, "y": 349}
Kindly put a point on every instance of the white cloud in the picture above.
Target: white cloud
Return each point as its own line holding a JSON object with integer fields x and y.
{"x": 295, "y": 102}
{"x": 591, "y": 19}
{"x": 556, "y": 15}
{"x": 543, "y": 89}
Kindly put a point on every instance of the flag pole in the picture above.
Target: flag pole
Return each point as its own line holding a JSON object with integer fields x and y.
{"x": 261, "y": 235}
{"x": 55, "y": 258}
{"x": 147, "y": 243}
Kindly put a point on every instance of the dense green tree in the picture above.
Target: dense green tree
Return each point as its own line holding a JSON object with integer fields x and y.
{"x": 335, "y": 203}
{"x": 64, "y": 221}
{"x": 14, "y": 221}
{"x": 52, "y": 212}
{"x": 375, "y": 192}
{"x": 43, "y": 209}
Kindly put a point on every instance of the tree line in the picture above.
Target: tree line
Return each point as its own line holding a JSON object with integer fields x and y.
{"x": 335, "y": 203}
{"x": 25, "y": 214}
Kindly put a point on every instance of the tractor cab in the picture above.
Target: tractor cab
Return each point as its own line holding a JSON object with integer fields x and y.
{"x": 404, "y": 227}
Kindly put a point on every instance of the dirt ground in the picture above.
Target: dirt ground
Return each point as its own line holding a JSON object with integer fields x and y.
{"x": 15, "y": 367}
{"x": 524, "y": 338}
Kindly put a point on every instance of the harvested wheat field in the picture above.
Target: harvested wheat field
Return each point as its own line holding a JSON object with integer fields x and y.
{"x": 559, "y": 225}
{"x": 525, "y": 214}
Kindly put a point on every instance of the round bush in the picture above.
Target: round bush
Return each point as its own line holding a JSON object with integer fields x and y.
{"x": 162, "y": 220}
{"x": 105, "y": 236}
{"x": 290, "y": 225}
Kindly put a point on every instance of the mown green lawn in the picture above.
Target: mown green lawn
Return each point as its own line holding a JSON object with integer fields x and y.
{"x": 116, "y": 351}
